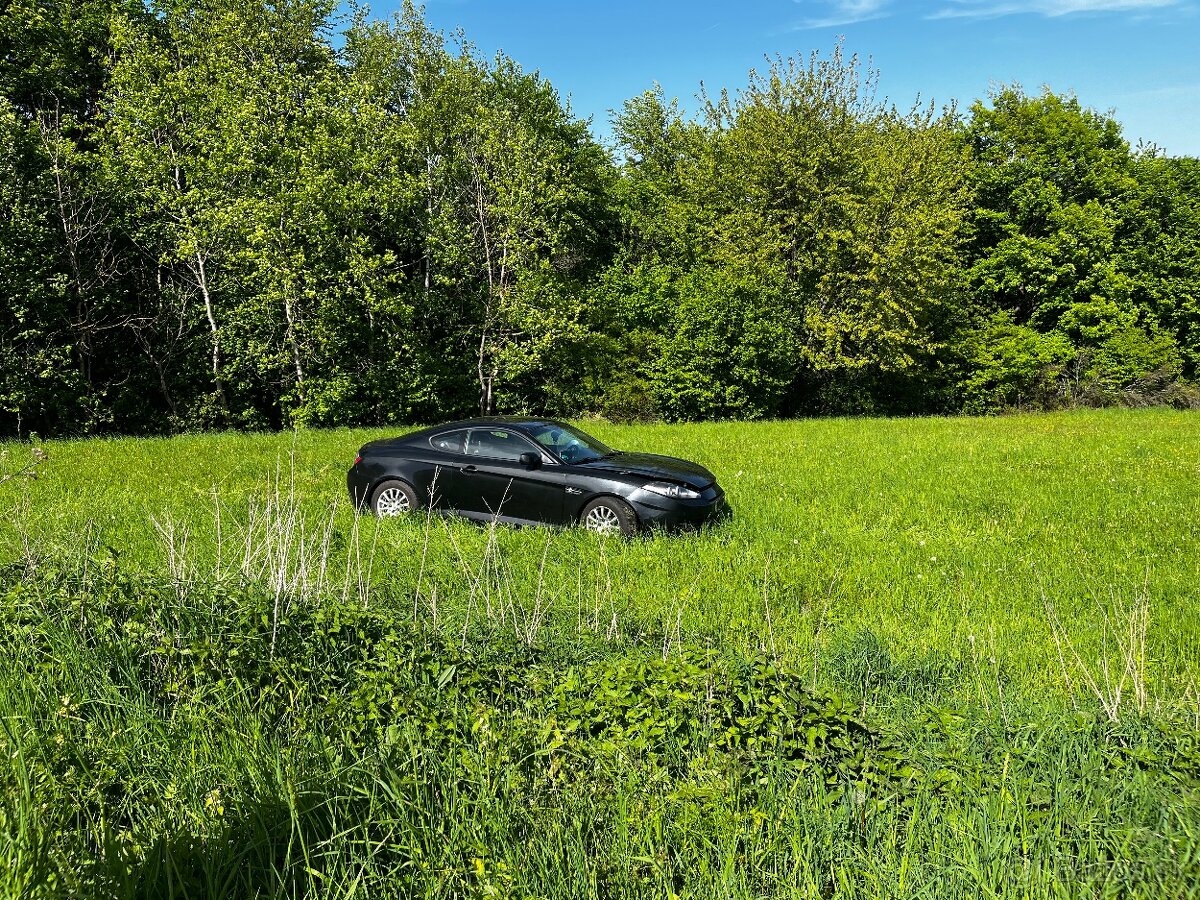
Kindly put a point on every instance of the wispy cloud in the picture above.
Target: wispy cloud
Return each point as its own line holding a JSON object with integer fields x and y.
{"x": 1163, "y": 92}
{"x": 988, "y": 9}
{"x": 834, "y": 13}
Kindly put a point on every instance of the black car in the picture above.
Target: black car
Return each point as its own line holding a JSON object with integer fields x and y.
{"x": 527, "y": 471}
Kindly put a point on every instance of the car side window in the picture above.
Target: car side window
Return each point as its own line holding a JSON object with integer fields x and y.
{"x": 496, "y": 443}
{"x": 450, "y": 442}
{"x": 553, "y": 438}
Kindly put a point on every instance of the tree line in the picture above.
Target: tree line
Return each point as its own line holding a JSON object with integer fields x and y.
{"x": 231, "y": 213}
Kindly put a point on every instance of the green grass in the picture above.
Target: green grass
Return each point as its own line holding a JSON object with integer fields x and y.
{"x": 923, "y": 532}
{"x": 290, "y": 699}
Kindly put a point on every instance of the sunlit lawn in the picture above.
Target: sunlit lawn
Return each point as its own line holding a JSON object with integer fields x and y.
{"x": 942, "y": 546}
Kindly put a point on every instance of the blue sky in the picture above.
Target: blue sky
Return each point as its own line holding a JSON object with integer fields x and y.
{"x": 1139, "y": 58}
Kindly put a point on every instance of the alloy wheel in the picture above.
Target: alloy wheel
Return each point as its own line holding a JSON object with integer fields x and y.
{"x": 602, "y": 520}
{"x": 392, "y": 502}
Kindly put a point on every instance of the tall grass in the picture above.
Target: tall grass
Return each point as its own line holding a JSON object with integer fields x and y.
{"x": 216, "y": 680}
{"x": 149, "y": 761}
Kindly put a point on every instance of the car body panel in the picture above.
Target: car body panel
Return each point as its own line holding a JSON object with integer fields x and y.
{"x": 421, "y": 472}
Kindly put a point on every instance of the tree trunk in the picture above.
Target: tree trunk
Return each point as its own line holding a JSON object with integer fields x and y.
{"x": 218, "y": 381}
{"x": 295, "y": 347}
{"x": 485, "y": 383}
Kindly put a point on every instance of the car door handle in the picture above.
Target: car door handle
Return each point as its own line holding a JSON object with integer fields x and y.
{"x": 467, "y": 470}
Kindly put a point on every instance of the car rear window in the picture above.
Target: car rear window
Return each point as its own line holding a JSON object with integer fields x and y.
{"x": 448, "y": 442}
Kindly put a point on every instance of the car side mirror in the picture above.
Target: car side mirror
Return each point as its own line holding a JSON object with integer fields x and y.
{"x": 530, "y": 460}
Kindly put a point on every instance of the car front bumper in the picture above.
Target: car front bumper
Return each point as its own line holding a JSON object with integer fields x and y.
{"x": 664, "y": 512}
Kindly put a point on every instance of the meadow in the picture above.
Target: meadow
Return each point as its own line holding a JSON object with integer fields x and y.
{"x": 927, "y": 657}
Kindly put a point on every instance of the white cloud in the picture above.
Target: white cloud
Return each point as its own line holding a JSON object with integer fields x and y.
{"x": 843, "y": 12}
{"x": 834, "y": 13}
{"x": 986, "y": 9}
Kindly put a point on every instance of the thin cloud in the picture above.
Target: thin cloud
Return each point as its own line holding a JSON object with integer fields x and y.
{"x": 844, "y": 12}
{"x": 836, "y": 13}
{"x": 984, "y": 9}
{"x": 1164, "y": 92}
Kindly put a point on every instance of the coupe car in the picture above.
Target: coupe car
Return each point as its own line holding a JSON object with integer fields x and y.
{"x": 531, "y": 471}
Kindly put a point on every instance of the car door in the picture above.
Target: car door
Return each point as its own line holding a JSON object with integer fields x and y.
{"x": 493, "y": 482}
{"x": 444, "y": 487}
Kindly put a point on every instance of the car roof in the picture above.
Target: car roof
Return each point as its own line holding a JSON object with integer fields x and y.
{"x": 483, "y": 422}
{"x": 418, "y": 437}
{"x": 517, "y": 423}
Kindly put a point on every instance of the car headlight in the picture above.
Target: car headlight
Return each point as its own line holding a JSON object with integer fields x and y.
{"x": 674, "y": 491}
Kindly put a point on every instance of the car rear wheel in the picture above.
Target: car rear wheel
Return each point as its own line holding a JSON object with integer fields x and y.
{"x": 393, "y": 498}
{"x": 609, "y": 516}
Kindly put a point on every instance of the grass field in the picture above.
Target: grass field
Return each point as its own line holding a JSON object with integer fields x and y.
{"x": 988, "y": 626}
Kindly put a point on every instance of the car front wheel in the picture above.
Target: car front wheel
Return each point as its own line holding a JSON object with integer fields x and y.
{"x": 393, "y": 498}
{"x": 609, "y": 516}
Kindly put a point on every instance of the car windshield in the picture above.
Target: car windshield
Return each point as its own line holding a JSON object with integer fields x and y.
{"x": 569, "y": 444}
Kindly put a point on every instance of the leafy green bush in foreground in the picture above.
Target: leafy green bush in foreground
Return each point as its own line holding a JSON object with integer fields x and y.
{"x": 217, "y": 743}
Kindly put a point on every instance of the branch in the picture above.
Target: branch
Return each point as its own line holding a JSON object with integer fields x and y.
{"x": 30, "y": 470}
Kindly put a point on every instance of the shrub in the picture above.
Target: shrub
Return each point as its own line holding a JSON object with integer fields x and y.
{"x": 1014, "y": 367}
{"x": 731, "y": 352}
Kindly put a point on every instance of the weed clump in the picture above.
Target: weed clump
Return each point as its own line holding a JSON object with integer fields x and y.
{"x": 196, "y": 745}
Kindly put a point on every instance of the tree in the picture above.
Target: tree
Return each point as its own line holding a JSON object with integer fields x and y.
{"x": 846, "y": 214}
{"x": 1047, "y": 176}
{"x": 528, "y": 181}
{"x": 1159, "y": 244}
{"x": 37, "y": 379}
{"x": 54, "y": 73}
{"x": 1068, "y": 238}
{"x": 211, "y": 111}
{"x": 495, "y": 196}
{"x": 854, "y": 207}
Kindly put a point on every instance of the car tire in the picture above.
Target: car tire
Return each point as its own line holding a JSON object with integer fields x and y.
{"x": 393, "y": 498}
{"x": 609, "y": 516}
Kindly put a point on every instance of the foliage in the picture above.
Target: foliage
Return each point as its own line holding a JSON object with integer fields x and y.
{"x": 226, "y": 213}
{"x": 61, "y": 298}
{"x": 1059, "y": 245}
{"x": 731, "y": 355}
{"x": 402, "y": 760}
{"x": 845, "y": 214}
{"x": 1162, "y": 221}
{"x": 36, "y": 371}
{"x": 1015, "y": 366}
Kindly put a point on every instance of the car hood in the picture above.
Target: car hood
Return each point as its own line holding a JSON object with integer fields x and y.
{"x": 652, "y": 465}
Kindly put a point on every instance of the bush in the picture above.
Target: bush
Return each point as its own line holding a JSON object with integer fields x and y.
{"x": 1014, "y": 367}
{"x": 731, "y": 352}
{"x": 629, "y": 398}
{"x": 1132, "y": 356}
{"x": 216, "y": 744}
